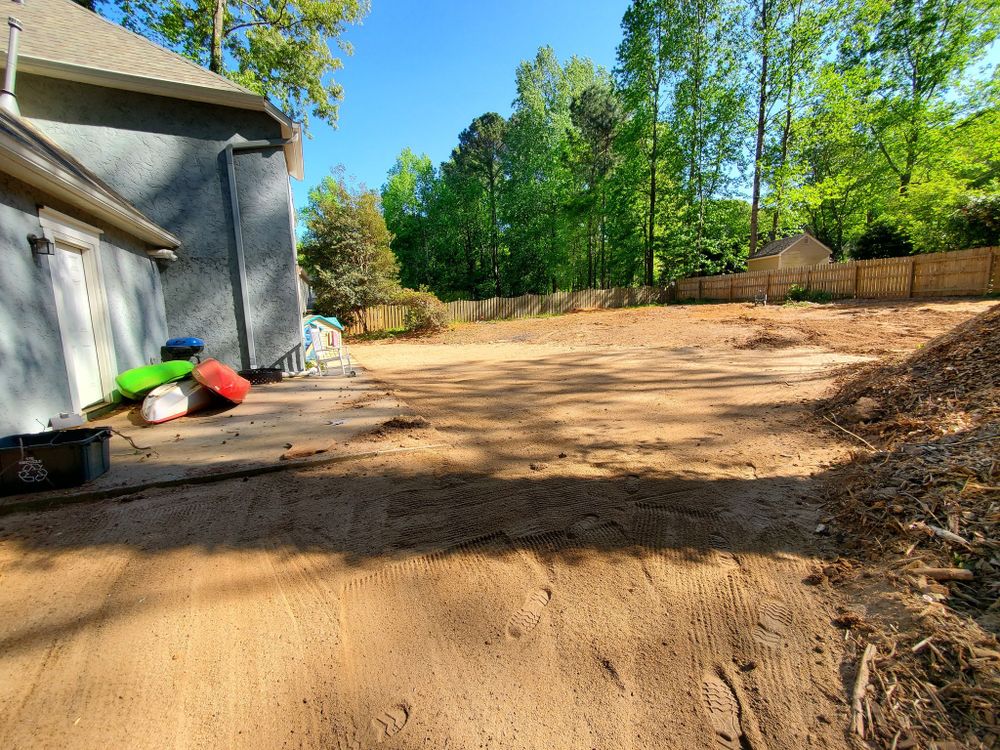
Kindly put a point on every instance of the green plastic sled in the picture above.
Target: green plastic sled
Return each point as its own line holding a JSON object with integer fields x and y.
{"x": 139, "y": 381}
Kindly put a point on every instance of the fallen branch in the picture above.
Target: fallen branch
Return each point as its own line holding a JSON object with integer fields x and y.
{"x": 860, "y": 687}
{"x": 844, "y": 429}
{"x": 938, "y": 531}
{"x": 123, "y": 436}
{"x": 944, "y": 574}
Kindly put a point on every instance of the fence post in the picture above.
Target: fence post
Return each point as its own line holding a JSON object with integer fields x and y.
{"x": 767, "y": 287}
{"x": 699, "y": 287}
{"x": 909, "y": 278}
{"x": 992, "y": 281}
{"x": 857, "y": 271}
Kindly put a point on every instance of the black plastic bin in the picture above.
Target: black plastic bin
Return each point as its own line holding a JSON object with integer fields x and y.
{"x": 53, "y": 460}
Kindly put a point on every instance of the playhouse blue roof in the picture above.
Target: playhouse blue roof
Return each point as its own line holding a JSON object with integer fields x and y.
{"x": 326, "y": 319}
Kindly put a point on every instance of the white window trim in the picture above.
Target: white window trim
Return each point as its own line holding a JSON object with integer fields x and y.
{"x": 66, "y": 230}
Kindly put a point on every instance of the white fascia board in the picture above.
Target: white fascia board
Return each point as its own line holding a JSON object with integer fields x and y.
{"x": 31, "y": 168}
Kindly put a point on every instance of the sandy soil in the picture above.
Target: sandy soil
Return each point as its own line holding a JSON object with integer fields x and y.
{"x": 614, "y": 552}
{"x": 865, "y": 327}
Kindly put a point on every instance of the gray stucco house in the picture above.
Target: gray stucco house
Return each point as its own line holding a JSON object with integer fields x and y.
{"x": 160, "y": 192}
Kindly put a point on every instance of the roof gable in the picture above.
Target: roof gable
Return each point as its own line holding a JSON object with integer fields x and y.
{"x": 777, "y": 247}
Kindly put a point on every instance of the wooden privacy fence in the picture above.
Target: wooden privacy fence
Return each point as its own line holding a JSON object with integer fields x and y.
{"x": 956, "y": 274}
{"x": 388, "y": 317}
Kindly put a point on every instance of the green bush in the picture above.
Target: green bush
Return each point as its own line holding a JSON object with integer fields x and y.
{"x": 799, "y": 293}
{"x": 882, "y": 239}
{"x": 425, "y": 313}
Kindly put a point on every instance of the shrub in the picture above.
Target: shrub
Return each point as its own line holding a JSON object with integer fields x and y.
{"x": 882, "y": 239}
{"x": 980, "y": 215}
{"x": 799, "y": 293}
{"x": 425, "y": 313}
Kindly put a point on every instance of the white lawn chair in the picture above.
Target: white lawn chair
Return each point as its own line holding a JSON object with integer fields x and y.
{"x": 324, "y": 354}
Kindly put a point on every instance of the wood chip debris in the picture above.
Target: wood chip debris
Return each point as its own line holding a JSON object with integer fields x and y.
{"x": 921, "y": 500}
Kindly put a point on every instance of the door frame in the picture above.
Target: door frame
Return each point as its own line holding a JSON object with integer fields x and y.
{"x": 58, "y": 227}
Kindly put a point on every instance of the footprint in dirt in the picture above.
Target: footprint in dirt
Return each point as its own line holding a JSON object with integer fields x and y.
{"x": 724, "y": 713}
{"x": 723, "y": 551}
{"x": 582, "y": 526}
{"x": 773, "y": 621}
{"x": 390, "y": 722}
{"x": 525, "y": 619}
{"x": 387, "y": 724}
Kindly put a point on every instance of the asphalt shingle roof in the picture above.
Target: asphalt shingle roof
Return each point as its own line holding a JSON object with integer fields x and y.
{"x": 778, "y": 246}
{"x": 63, "y": 32}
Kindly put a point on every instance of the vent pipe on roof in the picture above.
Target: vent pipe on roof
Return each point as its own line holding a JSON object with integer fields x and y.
{"x": 8, "y": 101}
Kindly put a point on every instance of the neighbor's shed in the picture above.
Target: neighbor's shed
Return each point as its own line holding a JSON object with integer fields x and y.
{"x": 328, "y": 327}
{"x": 790, "y": 252}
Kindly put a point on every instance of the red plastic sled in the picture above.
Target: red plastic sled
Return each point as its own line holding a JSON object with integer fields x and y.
{"x": 222, "y": 379}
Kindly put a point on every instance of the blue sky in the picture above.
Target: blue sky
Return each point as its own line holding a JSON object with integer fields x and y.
{"x": 421, "y": 71}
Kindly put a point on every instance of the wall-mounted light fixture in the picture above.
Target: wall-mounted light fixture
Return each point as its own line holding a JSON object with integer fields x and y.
{"x": 41, "y": 245}
{"x": 164, "y": 253}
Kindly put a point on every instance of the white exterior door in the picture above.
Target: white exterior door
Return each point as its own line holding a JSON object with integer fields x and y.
{"x": 81, "y": 306}
{"x": 74, "y": 301}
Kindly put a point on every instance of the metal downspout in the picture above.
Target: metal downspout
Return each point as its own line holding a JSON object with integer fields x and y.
{"x": 238, "y": 232}
{"x": 8, "y": 101}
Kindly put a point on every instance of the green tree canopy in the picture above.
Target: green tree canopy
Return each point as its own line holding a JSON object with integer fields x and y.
{"x": 873, "y": 124}
{"x": 281, "y": 50}
{"x": 346, "y": 250}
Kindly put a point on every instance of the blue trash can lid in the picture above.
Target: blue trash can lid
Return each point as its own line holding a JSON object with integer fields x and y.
{"x": 185, "y": 341}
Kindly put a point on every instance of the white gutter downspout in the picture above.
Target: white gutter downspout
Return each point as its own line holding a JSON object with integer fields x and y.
{"x": 238, "y": 233}
{"x": 8, "y": 101}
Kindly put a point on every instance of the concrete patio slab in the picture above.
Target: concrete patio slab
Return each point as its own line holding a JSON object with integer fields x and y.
{"x": 293, "y": 422}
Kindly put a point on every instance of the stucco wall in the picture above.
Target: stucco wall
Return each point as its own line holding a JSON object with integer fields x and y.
{"x": 35, "y": 383}
{"x": 167, "y": 157}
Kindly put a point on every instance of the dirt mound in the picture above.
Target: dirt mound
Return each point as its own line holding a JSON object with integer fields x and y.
{"x": 775, "y": 336}
{"x": 414, "y": 422}
{"x": 399, "y": 423}
{"x": 924, "y": 503}
{"x": 767, "y": 338}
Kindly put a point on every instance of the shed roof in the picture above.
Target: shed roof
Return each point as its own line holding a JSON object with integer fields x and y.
{"x": 779, "y": 246}
{"x": 329, "y": 320}
{"x": 26, "y": 153}
{"x": 62, "y": 39}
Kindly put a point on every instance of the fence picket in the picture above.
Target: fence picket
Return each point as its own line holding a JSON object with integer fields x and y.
{"x": 974, "y": 271}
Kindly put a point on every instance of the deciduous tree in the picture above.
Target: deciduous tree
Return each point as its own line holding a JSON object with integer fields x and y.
{"x": 281, "y": 50}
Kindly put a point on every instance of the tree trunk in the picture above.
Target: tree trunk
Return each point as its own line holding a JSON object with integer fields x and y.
{"x": 218, "y": 20}
{"x": 761, "y": 112}
{"x": 604, "y": 259}
{"x": 494, "y": 235}
{"x": 590, "y": 252}
{"x": 470, "y": 262}
{"x": 786, "y": 132}
{"x": 652, "y": 195}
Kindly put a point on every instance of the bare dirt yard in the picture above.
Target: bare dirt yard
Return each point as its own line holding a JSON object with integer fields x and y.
{"x": 614, "y": 549}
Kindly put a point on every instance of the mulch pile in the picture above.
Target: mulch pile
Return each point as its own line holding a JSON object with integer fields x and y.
{"x": 922, "y": 502}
